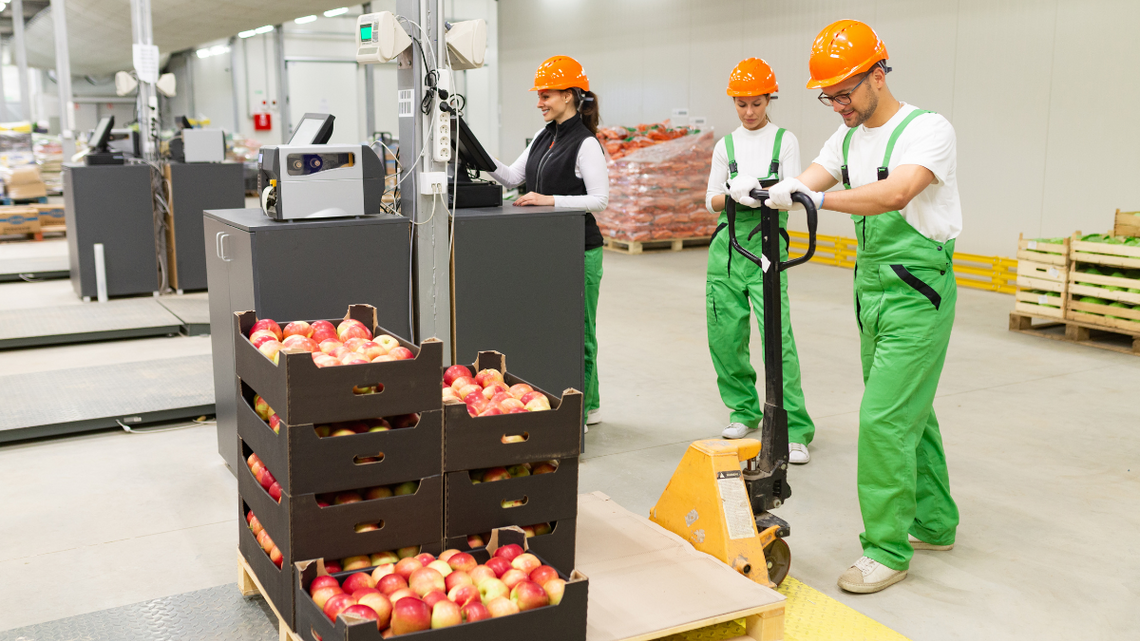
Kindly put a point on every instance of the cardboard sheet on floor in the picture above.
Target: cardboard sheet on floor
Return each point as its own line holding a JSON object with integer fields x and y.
{"x": 645, "y": 579}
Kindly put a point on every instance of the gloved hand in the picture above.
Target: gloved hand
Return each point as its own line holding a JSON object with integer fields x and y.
{"x": 740, "y": 187}
{"x": 780, "y": 194}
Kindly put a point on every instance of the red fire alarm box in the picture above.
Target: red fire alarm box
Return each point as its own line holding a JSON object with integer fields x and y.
{"x": 262, "y": 122}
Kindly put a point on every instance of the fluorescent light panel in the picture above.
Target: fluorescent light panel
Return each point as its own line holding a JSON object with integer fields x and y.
{"x": 265, "y": 29}
{"x": 247, "y": 34}
{"x": 305, "y": 19}
{"x": 332, "y": 13}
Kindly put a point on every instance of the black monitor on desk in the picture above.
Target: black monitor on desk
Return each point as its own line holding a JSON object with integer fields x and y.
{"x": 470, "y": 159}
{"x": 98, "y": 152}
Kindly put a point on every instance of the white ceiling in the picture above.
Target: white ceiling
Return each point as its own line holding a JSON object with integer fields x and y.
{"x": 99, "y": 31}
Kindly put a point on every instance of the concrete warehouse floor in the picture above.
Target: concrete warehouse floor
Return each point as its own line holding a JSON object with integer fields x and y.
{"x": 1041, "y": 439}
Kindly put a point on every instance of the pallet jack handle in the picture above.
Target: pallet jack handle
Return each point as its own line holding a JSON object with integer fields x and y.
{"x": 762, "y": 195}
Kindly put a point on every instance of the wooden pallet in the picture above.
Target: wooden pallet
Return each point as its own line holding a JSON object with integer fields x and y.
{"x": 666, "y": 244}
{"x": 250, "y": 586}
{"x": 1127, "y": 223}
{"x": 1075, "y": 331}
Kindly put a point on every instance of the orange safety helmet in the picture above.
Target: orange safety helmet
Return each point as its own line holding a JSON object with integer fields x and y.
{"x": 752, "y": 77}
{"x": 841, "y": 50}
{"x": 560, "y": 72}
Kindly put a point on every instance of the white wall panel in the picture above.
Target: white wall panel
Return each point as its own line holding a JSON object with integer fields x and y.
{"x": 1040, "y": 92}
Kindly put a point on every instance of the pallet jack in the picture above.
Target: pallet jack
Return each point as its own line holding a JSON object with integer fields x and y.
{"x": 719, "y": 508}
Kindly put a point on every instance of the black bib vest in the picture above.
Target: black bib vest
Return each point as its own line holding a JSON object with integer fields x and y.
{"x": 550, "y": 167}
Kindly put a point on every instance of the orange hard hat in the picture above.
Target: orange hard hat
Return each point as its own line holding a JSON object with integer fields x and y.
{"x": 752, "y": 77}
{"x": 841, "y": 50}
{"x": 560, "y": 72}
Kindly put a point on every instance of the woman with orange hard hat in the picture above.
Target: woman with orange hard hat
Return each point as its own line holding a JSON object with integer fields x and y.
{"x": 898, "y": 166}
{"x": 564, "y": 166}
{"x": 756, "y": 149}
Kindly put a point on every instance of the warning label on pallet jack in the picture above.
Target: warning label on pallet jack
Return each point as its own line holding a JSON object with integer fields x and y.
{"x": 734, "y": 505}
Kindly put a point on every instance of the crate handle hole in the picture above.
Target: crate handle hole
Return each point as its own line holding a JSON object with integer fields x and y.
{"x": 368, "y": 460}
{"x": 506, "y": 503}
{"x": 369, "y": 527}
{"x": 363, "y": 390}
{"x": 315, "y": 635}
{"x": 516, "y": 438}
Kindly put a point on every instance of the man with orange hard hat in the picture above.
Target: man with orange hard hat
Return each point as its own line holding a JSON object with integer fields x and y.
{"x": 897, "y": 164}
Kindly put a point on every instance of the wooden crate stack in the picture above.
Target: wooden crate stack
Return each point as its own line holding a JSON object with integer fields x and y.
{"x": 1042, "y": 277}
{"x": 1105, "y": 271}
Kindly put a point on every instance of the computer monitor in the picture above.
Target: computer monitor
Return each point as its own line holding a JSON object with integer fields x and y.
{"x": 184, "y": 122}
{"x": 314, "y": 129}
{"x": 101, "y": 135}
{"x": 471, "y": 154}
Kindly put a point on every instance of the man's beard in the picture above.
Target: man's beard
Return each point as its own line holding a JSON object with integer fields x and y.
{"x": 863, "y": 115}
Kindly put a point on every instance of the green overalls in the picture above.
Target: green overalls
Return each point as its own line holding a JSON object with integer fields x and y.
{"x": 730, "y": 285}
{"x": 905, "y": 295}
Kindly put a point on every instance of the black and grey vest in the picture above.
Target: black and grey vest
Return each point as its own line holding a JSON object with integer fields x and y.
{"x": 550, "y": 167}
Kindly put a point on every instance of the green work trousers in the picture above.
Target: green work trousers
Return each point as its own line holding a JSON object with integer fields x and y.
{"x": 591, "y": 399}
{"x": 732, "y": 293}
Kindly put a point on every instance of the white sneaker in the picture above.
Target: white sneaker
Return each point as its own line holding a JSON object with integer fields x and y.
{"x": 798, "y": 454}
{"x": 919, "y": 544}
{"x": 868, "y": 575}
{"x": 593, "y": 417}
{"x": 736, "y": 430}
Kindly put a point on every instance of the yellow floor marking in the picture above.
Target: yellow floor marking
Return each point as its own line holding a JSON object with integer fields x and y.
{"x": 811, "y": 615}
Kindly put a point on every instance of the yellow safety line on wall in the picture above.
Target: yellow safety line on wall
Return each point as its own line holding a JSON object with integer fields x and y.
{"x": 993, "y": 273}
{"x": 810, "y": 615}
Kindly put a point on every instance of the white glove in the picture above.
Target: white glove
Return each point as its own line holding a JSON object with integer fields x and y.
{"x": 740, "y": 187}
{"x": 780, "y": 194}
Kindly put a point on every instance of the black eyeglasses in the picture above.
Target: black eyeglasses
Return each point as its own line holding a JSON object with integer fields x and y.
{"x": 844, "y": 98}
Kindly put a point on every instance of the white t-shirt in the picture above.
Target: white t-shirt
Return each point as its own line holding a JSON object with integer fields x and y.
{"x": 928, "y": 141}
{"x": 753, "y": 152}
{"x": 590, "y": 166}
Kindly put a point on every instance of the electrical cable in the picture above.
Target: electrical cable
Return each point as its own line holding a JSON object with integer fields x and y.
{"x": 198, "y": 422}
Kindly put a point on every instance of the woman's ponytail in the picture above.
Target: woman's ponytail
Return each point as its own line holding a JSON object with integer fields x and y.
{"x": 587, "y": 104}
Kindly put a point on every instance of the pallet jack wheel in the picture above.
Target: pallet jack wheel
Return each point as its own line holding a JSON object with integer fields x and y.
{"x": 779, "y": 559}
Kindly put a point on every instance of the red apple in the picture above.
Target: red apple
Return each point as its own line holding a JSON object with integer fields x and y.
{"x": 356, "y": 562}
{"x": 267, "y": 479}
{"x": 389, "y": 583}
{"x": 554, "y": 589}
{"x": 387, "y": 342}
{"x": 440, "y": 566}
{"x": 401, "y": 353}
{"x": 261, "y": 407}
{"x": 322, "y": 326}
{"x": 408, "y": 551}
{"x": 300, "y": 343}
{"x": 353, "y": 331}
{"x": 275, "y": 491}
{"x": 346, "y": 497}
{"x": 461, "y": 382}
{"x": 456, "y": 579}
{"x": 491, "y": 411}
{"x": 545, "y": 467}
{"x": 270, "y": 349}
{"x": 462, "y": 562}
{"x": 371, "y": 350}
{"x": 256, "y": 526}
{"x": 344, "y": 431}
{"x": 425, "y": 558}
{"x": 431, "y": 598}
{"x": 513, "y": 577}
{"x": 329, "y": 345}
{"x": 298, "y": 328}
{"x": 511, "y": 404}
{"x": 410, "y": 614}
{"x": 399, "y": 594}
{"x": 517, "y": 410}
{"x": 497, "y": 474}
{"x": 518, "y": 470}
{"x": 352, "y": 358}
{"x": 481, "y": 573}
{"x": 276, "y": 556}
{"x": 466, "y": 391}
{"x": 322, "y": 581}
{"x": 333, "y": 567}
{"x": 526, "y": 562}
{"x": 425, "y": 580}
{"x": 269, "y": 324}
{"x": 357, "y": 594}
{"x": 493, "y": 589}
{"x": 380, "y": 605}
{"x": 538, "y": 405}
{"x": 445, "y": 614}
{"x": 357, "y": 581}
{"x": 404, "y": 420}
{"x": 383, "y": 358}
{"x": 528, "y": 595}
{"x": 405, "y": 567}
{"x": 542, "y": 574}
{"x": 509, "y": 552}
{"x": 259, "y": 338}
{"x": 323, "y": 594}
{"x": 464, "y": 594}
{"x": 494, "y": 388}
{"x": 448, "y": 394}
{"x": 542, "y": 528}
{"x": 499, "y": 565}
{"x": 487, "y": 376}
{"x": 530, "y": 396}
{"x": 447, "y": 554}
{"x": 454, "y": 372}
{"x": 337, "y": 604}
{"x": 382, "y": 569}
{"x": 325, "y": 360}
{"x": 518, "y": 390}
{"x": 356, "y": 344}
{"x": 321, "y": 335}
{"x": 501, "y": 607}
{"x": 275, "y": 424}
{"x": 475, "y": 611}
{"x": 361, "y": 612}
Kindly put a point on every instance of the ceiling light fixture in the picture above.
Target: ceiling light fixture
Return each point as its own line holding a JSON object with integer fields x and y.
{"x": 265, "y": 29}
{"x": 332, "y": 13}
{"x": 305, "y": 19}
{"x": 247, "y": 34}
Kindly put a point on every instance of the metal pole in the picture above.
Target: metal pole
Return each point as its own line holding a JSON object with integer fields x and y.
{"x": 369, "y": 92}
{"x": 63, "y": 79}
{"x": 21, "y": 58}
{"x": 282, "y": 84}
{"x": 3, "y": 96}
{"x": 143, "y": 34}
{"x": 234, "y": 84}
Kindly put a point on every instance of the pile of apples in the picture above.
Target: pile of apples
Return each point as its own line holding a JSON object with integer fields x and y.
{"x": 349, "y": 343}
{"x": 346, "y": 428}
{"x": 266, "y": 543}
{"x": 424, "y": 592}
{"x": 486, "y": 394}
{"x": 379, "y": 492}
{"x": 264, "y": 478}
{"x": 493, "y": 474}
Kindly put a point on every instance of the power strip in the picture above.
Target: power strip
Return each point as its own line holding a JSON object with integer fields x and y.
{"x": 441, "y": 122}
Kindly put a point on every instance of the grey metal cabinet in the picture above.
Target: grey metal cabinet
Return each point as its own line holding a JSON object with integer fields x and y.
{"x": 194, "y": 188}
{"x": 297, "y": 270}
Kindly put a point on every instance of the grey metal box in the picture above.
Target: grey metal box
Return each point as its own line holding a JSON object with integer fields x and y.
{"x": 204, "y": 145}
{"x": 195, "y": 188}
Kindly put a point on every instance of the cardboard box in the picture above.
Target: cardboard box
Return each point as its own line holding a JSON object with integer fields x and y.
{"x": 328, "y": 532}
{"x": 557, "y": 547}
{"x": 478, "y": 507}
{"x": 26, "y": 175}
{"x": 304, "y": 463}
{"x": 19, "y": 220}
{"x": 563, "y": 622}
{"x": 29, "y": 190}
{"x": 302, "y": 393}
{"x": 276, "y": 581}
{"x": 50, "y": 215}
{"x": 474, "y": 442}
